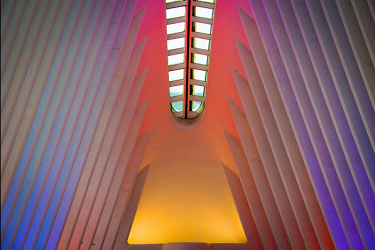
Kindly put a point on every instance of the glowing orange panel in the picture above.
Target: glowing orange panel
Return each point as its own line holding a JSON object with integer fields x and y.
{"x": 186, "y": 200}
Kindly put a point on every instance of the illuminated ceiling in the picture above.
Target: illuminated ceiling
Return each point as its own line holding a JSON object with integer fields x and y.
{"x": 282, "y": 156}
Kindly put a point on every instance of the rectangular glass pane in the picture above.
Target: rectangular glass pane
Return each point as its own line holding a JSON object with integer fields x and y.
{"x": 176, "y": 59}
{"x": 202, "y": 28}
{"x": 176, "y": 90}
{"x": 195, "y": 106}
{"x": 176, "y": 43}
{"x": 197, "y": 74}
{"x": 198, "y": 90}
{"x": 203, "y": 12}
{"x": 171, "y": 1}
{"x": 176, "y": 12}
{"x": 199, "y": 59}
{"x": 176, "y": 75}
{"x": 200, "y": 43}
{"x": 207, "y": 1}
{"x": 177, "y": 106}
{"x": 175, "y": 28}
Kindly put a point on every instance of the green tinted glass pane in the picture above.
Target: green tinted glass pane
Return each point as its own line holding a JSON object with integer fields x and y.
{"x": 200, "y": 43}
{"x": 203, "y": 12}
{"x": 175, "y": 28}
{"x": 198, "y": 90}
{"x": 197, "y": 74}
{"x": 196, "y": 106}
{"x": 200, "y": 59}
{"x": 176, "y": 43}
{"x": 177, "y": 106}
{"x": 176, "y": 59}
{"x": 171, "y": 1}
{"x": 176, "y": 90}
{"x": 176, "y": 75}
{"x": 175, "y": 12}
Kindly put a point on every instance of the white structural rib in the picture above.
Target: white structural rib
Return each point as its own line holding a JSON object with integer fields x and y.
{"x": 361, "y": 105}
{"x": 273, "y": 89}
{"x": 108, "y": 124}
{"x": 123, "y": 195}
{"x": 358, "y": 45}
{"x": 244, "y": 212}
{"x": 267, "y": 151}
{"x": 253, "y": 157}
{"x": 252, "y": 193}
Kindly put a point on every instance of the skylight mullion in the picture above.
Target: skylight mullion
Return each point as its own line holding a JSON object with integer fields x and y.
{"x": 202, "y": 20}
{"x": 176, "y": 66}
{"x": 176, "y": 51}
{"x": 170, "y": 4}
{"x": 197, "y": 82}
{"x": 199, "y": 66}
{"x": 176, "y": 20}
{"x": 203, "y": 4}
{"x": 177, "y": 82}
{"x": 201, "y": 35}
{"x": 176, "y": 98}
{"x": 197, "y": 98}
{"x": 188, "y": 46}
{"x": 176, "y": 35}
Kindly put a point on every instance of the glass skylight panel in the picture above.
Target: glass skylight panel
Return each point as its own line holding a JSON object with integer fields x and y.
{"x": 176, "y": 90}
{"x": 176, "y": 59}
{"x": 195, "y": 106}
{"x": 198, "y": 90}
{"x": 176, "y": 43}
{"x": 203, "y": 12}
{"x": 175, "y": 28}
{"x": 200, "y": 43}
{"x": 176, "y": 75}
{"x": 197, "y": 74}
{"x": 185, "y": 56}
{"x": 199, "y": 59}
{"x": 202, "y": 27}
{"x": 176, "y": 12}
{"x": 177, "y": 106}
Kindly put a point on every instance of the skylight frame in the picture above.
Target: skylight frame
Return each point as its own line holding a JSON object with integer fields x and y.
{"x": 202, "y": 55}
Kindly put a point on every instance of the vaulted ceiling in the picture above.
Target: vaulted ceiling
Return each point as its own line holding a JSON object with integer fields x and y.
{"x": 282, "y": 157}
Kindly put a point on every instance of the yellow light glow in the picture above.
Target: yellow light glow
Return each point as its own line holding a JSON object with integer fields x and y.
{"x": 186, "y": 201}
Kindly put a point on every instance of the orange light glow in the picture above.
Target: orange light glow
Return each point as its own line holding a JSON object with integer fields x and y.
{"x": 188, "y": 203}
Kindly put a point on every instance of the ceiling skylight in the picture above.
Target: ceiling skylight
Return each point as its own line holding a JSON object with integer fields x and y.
{"x": 198, "y": 90}
{"x": 176, "y": 59}
{"x": 203, "y": 12}
{"x": 199, "y": 59}
{"x": 202, "y": 28}
{"x": 176, "y": 43}
{"x": 189, "y": 29}
{"x": 197, "y": 74}
{"x": 201, "y": 43}
{"x": 176, "y": 90}
{"x": 176, "y": 75}
{"x": 175, "y": 28}
{"x": 176, "y": 12}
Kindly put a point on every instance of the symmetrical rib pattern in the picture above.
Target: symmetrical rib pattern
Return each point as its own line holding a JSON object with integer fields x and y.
{"x": 69, "y": 120}
{"x": 307, "y": 129}
{"x": 286, "y": 142}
